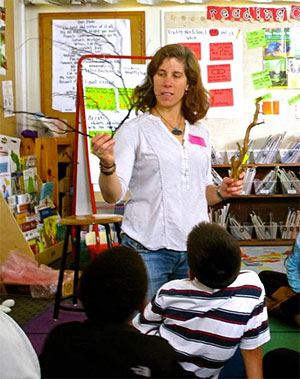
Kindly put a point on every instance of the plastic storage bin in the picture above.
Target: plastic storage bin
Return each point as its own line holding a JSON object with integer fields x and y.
{"x": 288, "y": 231}
{"x": 243, "y": 232}
{"x": 264, "y": 188}
{"x": 266, "y": 232}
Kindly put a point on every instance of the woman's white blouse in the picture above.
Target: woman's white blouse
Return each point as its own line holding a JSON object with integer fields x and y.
{"x": 166, "y": 180}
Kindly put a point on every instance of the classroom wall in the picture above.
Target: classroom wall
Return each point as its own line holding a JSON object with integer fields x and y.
{"x": 225, "y": 134}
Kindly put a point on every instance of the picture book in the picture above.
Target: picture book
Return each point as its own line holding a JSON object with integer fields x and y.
{"x": 30, "y": 181}
{"x": 17, "y": 183}
{"x": 5, "y": 185}
{"x": 46, "y": 191}
{"x": 50, "y": 227}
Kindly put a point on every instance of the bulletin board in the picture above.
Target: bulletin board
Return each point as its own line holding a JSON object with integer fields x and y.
{"x": 8, "y": 124}
{"x": 137, "y": 32}
{"x": 233, "y": 128}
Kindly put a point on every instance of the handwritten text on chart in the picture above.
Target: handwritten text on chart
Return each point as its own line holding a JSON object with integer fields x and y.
{"x": 73, "y": 39}
{"x": 221, "y": 51}
{"x": 222, "y": 97}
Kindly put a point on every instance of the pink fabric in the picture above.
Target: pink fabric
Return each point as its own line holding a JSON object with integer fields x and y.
{"x": 20, "y": 268}
{"x": 197, "y": 140}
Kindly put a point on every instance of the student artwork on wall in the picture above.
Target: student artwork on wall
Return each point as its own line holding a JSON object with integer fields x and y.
{"x": 219, "y": 52}
{"x": 77, "y": 37}
{"x": 281, "y": 57}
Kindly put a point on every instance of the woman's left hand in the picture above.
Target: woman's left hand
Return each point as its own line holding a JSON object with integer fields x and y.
{"x": 230, "y": 188}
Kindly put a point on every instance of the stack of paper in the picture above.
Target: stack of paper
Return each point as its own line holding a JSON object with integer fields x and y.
{"x": 219, "y": 216}
{"x": 292, "y": 154}
{"x": 267, "y": 153}
{"x": 290, "y": 184}
{"x": 240, "y": 232}
{"x": 217, "y": 179}
{"x": 267, "y": 185}
{"x": 291, "y": 227}
{"x": 248, "y": 180}
{"x": 264, "y": 231}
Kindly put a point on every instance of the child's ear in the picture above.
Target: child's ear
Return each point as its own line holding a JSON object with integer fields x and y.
{"x": 191, "y": 276}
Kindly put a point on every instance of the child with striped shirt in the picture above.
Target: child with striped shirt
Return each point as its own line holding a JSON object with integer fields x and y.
{"x": 219, "y": 308}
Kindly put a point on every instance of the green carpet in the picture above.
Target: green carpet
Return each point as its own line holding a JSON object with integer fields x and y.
{"x": 282, "y": 335}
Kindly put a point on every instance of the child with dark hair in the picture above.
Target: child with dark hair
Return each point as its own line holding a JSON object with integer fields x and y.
{"x": 112, "y": 287}
{"x": 218, "y": 309}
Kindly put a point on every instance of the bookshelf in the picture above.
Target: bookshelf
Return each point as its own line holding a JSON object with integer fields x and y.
{"x": 276, "y": 204}
{"x": 54, "y": 164}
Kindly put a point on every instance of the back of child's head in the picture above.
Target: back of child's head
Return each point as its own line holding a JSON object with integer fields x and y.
{"x": 113, "y": 285}
{"x": 214, "y": 256}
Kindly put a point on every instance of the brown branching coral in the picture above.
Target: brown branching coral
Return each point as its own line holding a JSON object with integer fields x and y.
{"x": 237, "y": 163}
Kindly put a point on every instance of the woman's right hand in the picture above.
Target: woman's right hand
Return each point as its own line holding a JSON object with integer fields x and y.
{"x": 103, "y": 148}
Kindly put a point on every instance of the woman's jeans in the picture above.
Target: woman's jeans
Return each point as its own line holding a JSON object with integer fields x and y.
{"x": 162, "y": 265}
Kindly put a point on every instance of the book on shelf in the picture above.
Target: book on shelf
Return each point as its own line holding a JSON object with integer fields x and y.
{"x": 46, "y": 191}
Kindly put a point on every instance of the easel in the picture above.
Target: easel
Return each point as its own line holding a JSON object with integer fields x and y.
{"x": 84, "y": 195}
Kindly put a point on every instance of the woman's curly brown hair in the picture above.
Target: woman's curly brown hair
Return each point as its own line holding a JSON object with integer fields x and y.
{"x": 196, "y": 100}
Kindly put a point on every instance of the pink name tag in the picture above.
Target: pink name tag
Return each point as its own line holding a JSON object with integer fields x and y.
{"x": 197, "y": 140}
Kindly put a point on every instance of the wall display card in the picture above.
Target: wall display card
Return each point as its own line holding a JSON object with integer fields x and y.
{"x": 74, "y": 38}
{"x": 8, "y": 98}
{"x": 219, "y": 52}
{"x": 3, "y": 60}
{"x": 281, "y": 57}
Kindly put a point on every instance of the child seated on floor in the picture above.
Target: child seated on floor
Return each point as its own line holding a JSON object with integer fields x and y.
{"x": 218, "y": 309}
{"x": 112, "y": 287}
{"x": 283, "y": 290}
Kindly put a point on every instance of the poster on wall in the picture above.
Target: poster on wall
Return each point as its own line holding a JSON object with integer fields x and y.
{"x": 219, "y": 52}
{"x": 74, "y": 38}
{"x": 3, "y": 60}
{"x": 281, "y": 57}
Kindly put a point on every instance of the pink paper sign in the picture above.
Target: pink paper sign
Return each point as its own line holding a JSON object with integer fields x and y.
{"x": 220, "y": 51}
{"x": 222, "y": 97}
{"x": 195, "y": 47}
{"x": 218, "y": 73}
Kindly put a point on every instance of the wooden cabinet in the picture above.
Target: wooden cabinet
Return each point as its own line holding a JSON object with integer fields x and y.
{"x": 54, "y": 164}
{"x": 277, "y": 204}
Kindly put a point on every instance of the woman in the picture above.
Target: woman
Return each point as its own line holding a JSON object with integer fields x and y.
{"x": 163, "y": 158}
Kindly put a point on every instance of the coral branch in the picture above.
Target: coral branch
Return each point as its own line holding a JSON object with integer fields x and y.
{"x": 237, "y": 164}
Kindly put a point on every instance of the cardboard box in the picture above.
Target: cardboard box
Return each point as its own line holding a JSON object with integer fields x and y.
{"x": 37, "y": 291}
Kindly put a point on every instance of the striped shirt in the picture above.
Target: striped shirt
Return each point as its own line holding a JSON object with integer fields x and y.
{"x": 204, "y": 325}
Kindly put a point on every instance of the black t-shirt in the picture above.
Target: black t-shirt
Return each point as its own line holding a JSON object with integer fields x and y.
{"x": 85, "y": 350}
